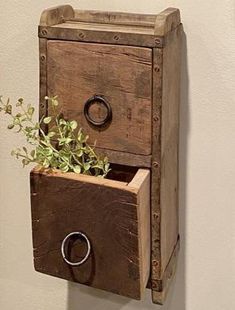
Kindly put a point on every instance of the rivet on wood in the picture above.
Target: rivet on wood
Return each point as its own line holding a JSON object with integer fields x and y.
{"x": 116, "y": 37}
{"x": 156, "y": 118}
{"x": 155, "y": 263}
{"x": 81, "y": 35}
{"x": 156, "y": 69}
{"x": 44, "y": 32}
{"x": 155, "y": 216}
{"x": 43, "y": 57}
{"x": 157, "y": 41}
{"x": 155, "y": 164}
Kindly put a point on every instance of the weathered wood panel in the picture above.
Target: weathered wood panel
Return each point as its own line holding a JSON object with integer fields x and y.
{"x": 169, "y": 146}
{"x": 166, "y": 81}
{"x": 117, "y": 18}
{"x": 56, "y": 15}
{"x": 124, "y": 158}
{"x": 42, "y": 77}
{"x": 167, "y": 21}
{"x": 110, "y": 213}
{"x": 59, "y": 32}
{"x": 122, "y": 75}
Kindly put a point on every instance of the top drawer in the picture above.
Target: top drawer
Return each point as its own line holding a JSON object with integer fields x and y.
{"x": 122, "y": 75}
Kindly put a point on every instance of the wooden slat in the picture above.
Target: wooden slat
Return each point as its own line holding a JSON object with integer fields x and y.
{"x": 169, "y": 146}
{"x": 117, "y": 18}
{"x": 156, "y": 163}
{"x": 165, "y": 199}
{"x": 113, "y": 37}
{"x": 56, "y": 15}
{"x": 107, "y": 27}
{"x": 124, "y": 158}
{"x": 42, "y": 77}
{"x": 161, "y": 287}
{"x": 167, "y": 21}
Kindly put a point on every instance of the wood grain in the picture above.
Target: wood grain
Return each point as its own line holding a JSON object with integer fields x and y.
{"x": 169, "y": 146}
{"x": 72, "y": 33}
{"x": 161, "y": 287}
{"x": 166, "y": 96}
{"x": 122, "y": 75}
{"x": 166, "y": 21}
{"x": 124, "y": 158}
{"x": 110, "y": 214}
{"x": 42, "y": 77}
{"x": 117, "y": 18}
{"x": 56, "y": 15}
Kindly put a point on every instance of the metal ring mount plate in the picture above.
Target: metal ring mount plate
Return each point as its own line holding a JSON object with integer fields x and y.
{"x": 80, "y": 234}
{"x": 92, "y": 101}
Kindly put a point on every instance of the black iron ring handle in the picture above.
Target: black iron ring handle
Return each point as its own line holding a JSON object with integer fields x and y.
{"x": 92, "y": 101}
{"x": 80, "y": 234}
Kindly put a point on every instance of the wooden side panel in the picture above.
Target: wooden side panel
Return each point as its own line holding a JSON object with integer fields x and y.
{"x": 169, "y": 146}
{"x": 166, "y": 99}
{"x": 122, "y": 75}
{"x": 56, "y": 15}
{"x": 108, "y": 213}
{"x": 42, "y": 76}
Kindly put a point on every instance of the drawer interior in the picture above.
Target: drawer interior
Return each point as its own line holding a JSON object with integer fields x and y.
{"x": 113, "y": 213}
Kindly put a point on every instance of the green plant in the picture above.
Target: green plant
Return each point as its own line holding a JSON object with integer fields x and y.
{"x": 60, "y": 146}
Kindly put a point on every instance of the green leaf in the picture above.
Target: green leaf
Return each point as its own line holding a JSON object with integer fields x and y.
{"x": 46, "y": 163}
{"x": 54, "y": 102}
{"x": 86, "y": 166}
{"x": 33, "y": 153}
{"x": 62, "y": 122}
{"x": 51, "y": 134}
{"x": 25, "y": 162}
{"x": 79, "y": 153}
{"x": 10, "y": 126}
{"x": 31, "y": 111}
{"x": 47, "y": 120}
{"x": 64, "y": 167}
{"x": 73, "y": 124}
{"x": 77, "y": 169}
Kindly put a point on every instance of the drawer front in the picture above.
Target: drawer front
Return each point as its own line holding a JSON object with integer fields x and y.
{"x": 121, "y": 75}
{"x": 113, "y": 215}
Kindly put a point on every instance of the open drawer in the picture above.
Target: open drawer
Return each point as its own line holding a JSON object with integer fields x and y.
{"x": 112, "y": 214}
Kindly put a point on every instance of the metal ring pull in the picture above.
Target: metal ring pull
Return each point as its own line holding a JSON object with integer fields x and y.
{"x": 92, "y": 101}
{"x": 80, "y": 234}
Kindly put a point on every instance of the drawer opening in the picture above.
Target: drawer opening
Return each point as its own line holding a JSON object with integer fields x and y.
{"x": 122, "y": 173}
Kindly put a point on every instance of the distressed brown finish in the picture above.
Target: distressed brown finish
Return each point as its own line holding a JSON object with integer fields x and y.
{"x": 123, "y": 158}
{"x": 56, "y": 15}
{"x": 113, "y": 214}
{"x": 43, "y": 77}
{"x": 166, "y": 98}
{"x": 167, "y": 21}
{"x": 122, "y": 75}
{"x": 117, "y": 18}
{"x": 160, "y": 287}
{"x": 133, "y": 60}
{"x": 113, "y": 37}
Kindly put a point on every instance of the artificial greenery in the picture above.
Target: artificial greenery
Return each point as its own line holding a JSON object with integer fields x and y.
{"x": 62, "y": 145}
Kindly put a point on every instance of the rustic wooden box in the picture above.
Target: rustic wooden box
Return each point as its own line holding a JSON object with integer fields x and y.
{"x": 118, "y": 75}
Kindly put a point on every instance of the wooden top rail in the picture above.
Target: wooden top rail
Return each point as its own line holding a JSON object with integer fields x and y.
{"x": 161, "y": 23}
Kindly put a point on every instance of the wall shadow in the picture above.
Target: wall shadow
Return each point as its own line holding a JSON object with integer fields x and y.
{"x": 81, "y": 297}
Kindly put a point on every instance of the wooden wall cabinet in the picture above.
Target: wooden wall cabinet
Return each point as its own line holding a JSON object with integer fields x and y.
{"x": 124, "y": 69}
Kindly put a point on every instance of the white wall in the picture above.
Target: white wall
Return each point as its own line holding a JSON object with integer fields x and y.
{"x": 205, "y": 277}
